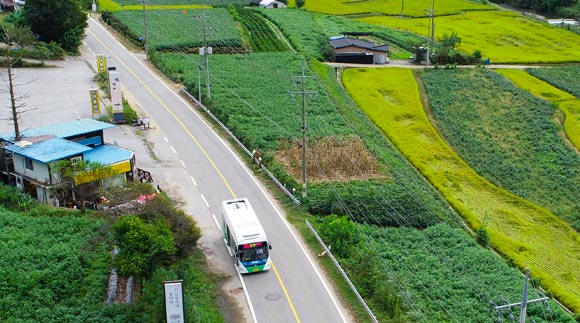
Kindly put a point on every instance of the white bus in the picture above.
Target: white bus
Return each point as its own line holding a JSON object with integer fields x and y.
{"x": 244, "y": 236}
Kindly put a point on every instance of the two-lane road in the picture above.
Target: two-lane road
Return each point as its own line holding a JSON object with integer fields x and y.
{"x": 294, "y": 290}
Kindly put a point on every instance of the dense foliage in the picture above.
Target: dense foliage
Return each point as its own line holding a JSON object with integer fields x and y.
{"x": 165, "y": 28}
{"x": 508, "y": 136}
{"x": 546, "y": 6}
{"x": 61, "y": 21}
{"x": 562, "y": 77}
{"x": 182, "y": 2}
{"x": 411, "y": 275}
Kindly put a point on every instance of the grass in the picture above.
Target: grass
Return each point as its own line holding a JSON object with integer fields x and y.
{"x": 530, "y": 236}
{"x": 502, "y": 36}
{"x": 414, "y": 8}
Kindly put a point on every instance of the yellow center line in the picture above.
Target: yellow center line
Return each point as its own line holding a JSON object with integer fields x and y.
{"x": 290, "y": 303}
{"x": 285, "y": 291}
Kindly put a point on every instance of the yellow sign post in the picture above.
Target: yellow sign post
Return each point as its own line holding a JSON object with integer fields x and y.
{"x": 101, "y": 63}
{"x": 95, "y": 102}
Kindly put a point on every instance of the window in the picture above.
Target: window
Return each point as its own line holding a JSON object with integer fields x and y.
{"x": 28, "y": 164}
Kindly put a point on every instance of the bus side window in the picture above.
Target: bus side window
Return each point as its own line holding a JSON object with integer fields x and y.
{"x": 228, "y": 235}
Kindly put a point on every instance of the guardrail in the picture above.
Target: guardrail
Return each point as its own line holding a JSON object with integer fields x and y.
{"x": 343, "y": 273}
{"x": 246, "y": 150}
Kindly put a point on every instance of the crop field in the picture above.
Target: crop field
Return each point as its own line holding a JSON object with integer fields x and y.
{"x": 413, "y": 8}
{"x": 508, "y": 136}
{"x": 566, "y": 78}
{"x": 565, "y": 101}
{"x": 308, "y": 31}
{"x": 181, "y": 2}
{"x": 49, "y": 273}
{"x": 165, "y": 28}
{"x": 434, "y": 267}
{"x": 502, "y": 36}
{"x": 530, "y": 236}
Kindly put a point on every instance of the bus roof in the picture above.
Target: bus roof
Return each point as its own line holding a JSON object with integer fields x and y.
{"x": 243, "y": 221}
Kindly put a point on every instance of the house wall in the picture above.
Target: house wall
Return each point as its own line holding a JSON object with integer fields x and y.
{"x": 379, "y": 56}
{"x": 39, "y": 172}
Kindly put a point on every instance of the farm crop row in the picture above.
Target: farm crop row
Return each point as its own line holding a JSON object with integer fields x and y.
{"x": 502, "y": 36}
{"x": 262, "y": 37}
{"x": 508, "y": 136}
{"x": 528, "y": 235}
{"x": 182, "y": 29}
{"x": 309, "y": 32}
{"x": 566, "y": 78}
{"x": 393, "y": 7}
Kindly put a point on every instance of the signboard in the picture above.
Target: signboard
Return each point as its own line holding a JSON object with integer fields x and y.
{"x": 115, "y": 89}
{"x": 95, "y": 101}
{"x": 101, "y": 63}
{"x": 174, "y": 312}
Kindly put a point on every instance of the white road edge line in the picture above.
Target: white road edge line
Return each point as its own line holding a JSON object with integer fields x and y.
{"x": 166, "y": 140}
{"x": 193, "y": 180}
{"x": 173, "y": 149}
{"x": 204, "y": 200}
{"x": 182, "y": 164}
{"x": 216, "y": 221}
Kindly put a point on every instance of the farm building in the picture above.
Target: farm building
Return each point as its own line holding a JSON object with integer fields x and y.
{"x": 267, "y": 4}
{"x": 352, "y": 50}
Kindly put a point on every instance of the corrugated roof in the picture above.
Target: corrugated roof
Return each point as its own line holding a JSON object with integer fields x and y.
{"x": 346, "y": 42}
{"x": 49, "y": 150}
{"x": 108, "y": 155}
{"x": 61, "y": 130}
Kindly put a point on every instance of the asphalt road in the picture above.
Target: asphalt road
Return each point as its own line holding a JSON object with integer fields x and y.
{"x": 203, "y": 170}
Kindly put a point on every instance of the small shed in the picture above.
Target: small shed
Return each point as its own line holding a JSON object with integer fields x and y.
{"x": 344, "y": 47}
{"x": 267, "y": 4}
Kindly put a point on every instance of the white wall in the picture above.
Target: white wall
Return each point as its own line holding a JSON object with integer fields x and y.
{"x": 39, "y": 172}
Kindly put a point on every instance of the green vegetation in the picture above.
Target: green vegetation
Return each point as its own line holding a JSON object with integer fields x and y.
{"x": 166, "y": 28}
{"x": 566, "y": 102}
{"x": 309, "y": 32}
{"x": 55, "y": 262}
{"x": 394, "y": 7}
{"x": 507, "y": 135}
{"x": 564, "y": 77}
{"x": 427, "y": 270}
{"x": 528, "y": 235}
{"x": 182, "y": 2}
{"x": 502, "y": 36}
{"x": 262, "y": 37}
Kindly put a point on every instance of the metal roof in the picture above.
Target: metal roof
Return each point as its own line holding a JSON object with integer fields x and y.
{"x": 108, "y": 154}
{"x": 61, "y": 130}
{"x": 49, "y": 150}
{"x": 342, "y": 42}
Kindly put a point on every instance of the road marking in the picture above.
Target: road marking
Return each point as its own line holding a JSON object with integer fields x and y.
{"x": 182, "y": 163}
{"x": 216, "y": 221}
{"x": 173, "y": 149}
{"x": 193, "y": 180}
{"x": 204, "y": 152}
{"x": 204, "y": 200}
{"x": 166, "y": 140}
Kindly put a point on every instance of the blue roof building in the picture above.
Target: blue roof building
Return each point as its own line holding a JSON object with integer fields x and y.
{"x": 33, "y": 157}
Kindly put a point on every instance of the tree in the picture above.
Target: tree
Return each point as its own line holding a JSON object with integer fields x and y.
{"x": 63, "y": 21}
{"x": 300, "y": 3}
{"x": 79, "y": 181}
{"x": 15, "y": 37}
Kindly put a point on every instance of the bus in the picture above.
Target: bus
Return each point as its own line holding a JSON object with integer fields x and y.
{"x": 244, "y": 236}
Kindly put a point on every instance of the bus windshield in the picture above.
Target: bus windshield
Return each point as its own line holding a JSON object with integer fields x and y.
{"x": 257, "y": 253}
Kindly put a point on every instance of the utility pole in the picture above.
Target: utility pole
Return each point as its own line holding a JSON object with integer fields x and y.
{"x": 205, "y": 51}
{"x": 430, "y": 30}
{"x": 303, "y": 92}
{"x": 402, "y": 8}
{"x": 524, "y": 303}
{"x": 145, "y": 27}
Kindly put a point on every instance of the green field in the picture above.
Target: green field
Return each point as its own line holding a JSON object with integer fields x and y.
{"x": 502, "y": 36}
{"x": 565, "y": 77}
{"x": 183, "y": 29}
{"x": 528, "y": 235}
{"x": 413, "y": 8}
